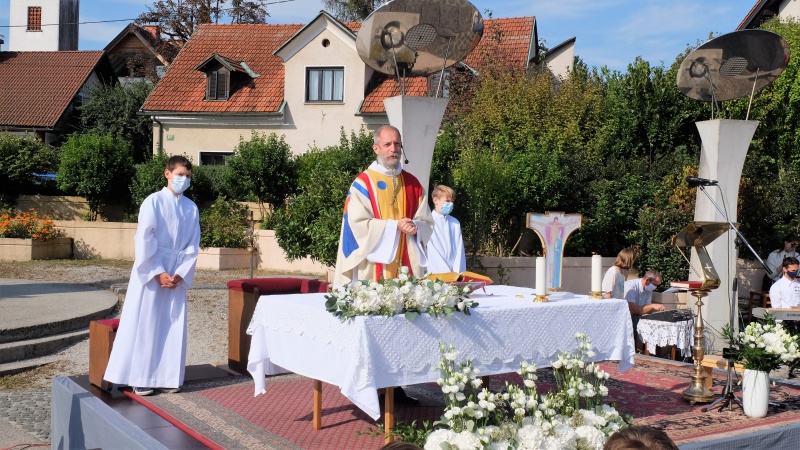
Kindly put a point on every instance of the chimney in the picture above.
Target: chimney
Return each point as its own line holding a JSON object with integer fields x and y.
{"x": 153, "y": 29}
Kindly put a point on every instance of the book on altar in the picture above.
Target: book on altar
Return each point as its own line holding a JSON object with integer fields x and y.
{"x": 451, "y": 277}
{"x": 687, "y": 284}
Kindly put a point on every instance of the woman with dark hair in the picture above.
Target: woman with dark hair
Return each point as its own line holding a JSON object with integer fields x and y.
{"x": 788, "y": 248}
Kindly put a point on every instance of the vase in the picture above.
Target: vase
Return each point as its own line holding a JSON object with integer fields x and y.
{"x": 755, "y": 392}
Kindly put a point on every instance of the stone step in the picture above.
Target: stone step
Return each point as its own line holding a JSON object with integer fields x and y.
{"x": 25, "y": 365}
{"x": 41, "y": 346}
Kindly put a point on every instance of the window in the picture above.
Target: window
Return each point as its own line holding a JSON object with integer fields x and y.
{"x": 434, "y": 87}
{"x": 34, "y": 18}
{"x": 218, "y": 85}
{"x": 325, "y": 84}
{"x": 214, "y": 158}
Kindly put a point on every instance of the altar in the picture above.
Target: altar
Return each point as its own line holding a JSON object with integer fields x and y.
{"x": 295, "y": 333}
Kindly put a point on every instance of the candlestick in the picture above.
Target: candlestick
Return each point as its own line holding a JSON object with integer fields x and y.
{"x": 541, "y": 279}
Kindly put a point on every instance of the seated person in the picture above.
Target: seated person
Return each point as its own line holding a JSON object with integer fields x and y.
{"x": 639, "y": 295}
{"x": 446, "y": 246}
{"x": 638, "y": 438}
{"x": 775, "y": 260}
{"x": 785, "y": 293}
{"x": 614, "y": 280}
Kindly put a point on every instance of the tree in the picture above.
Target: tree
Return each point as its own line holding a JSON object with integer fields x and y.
{"x": 96, "y": 166}
{"x": 21, "y": 158}
{"x": 179, "y": 19}
{"x": 261, "y": 169}
{"x": 310, "y": 224}
{"x": 113, "y": 109}
{"x": 351, "y": 10}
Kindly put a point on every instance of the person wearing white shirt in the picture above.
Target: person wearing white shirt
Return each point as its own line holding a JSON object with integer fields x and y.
{"x": 639, "y": 295}
{"x": 785, "y": 293}
{"x": 775, "y": 260}
{"x": 446, "y": 246}
{"x": 614, "y": 280}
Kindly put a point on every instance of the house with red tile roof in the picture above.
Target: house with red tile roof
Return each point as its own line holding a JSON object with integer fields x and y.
{"x": 766, "y": 9}
{"x": 137, "y": 53}
{"x": 306, "y": 82}
{"x": 42, "y": 89}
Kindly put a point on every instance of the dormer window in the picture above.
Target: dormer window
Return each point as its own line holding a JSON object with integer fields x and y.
{"x": 218, "y": 85}
{"x": 223, "y": 75}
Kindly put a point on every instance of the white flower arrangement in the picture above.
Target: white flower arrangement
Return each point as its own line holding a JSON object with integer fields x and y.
{"x": 405, "y": 294}
{"x": 571, "y": 417}
{"x": 764, "y": 347}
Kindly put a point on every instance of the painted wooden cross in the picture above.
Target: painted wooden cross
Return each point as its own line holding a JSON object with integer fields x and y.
{"x": 553, "y": 228}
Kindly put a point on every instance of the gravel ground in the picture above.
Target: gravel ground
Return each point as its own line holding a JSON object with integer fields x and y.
{"x": 207, "y": 312}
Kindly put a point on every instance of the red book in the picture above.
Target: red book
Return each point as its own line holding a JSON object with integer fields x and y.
{"x": 686, "y": 284}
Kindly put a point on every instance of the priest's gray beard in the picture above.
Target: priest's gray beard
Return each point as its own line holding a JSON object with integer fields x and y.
{"x": 391, "y": 165}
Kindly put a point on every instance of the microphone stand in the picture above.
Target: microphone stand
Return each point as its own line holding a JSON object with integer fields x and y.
{"x": 728, "y": 397}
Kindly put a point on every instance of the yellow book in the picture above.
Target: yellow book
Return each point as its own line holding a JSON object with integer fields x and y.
{"x": 450, "y": 277}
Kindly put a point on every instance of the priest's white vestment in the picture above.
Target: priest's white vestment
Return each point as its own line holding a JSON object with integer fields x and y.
{"x": 150, "y": 346}
{"x": 446, "y": 246}
{"x": 370, "y": 244}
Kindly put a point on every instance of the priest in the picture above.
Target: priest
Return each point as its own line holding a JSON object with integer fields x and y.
{"x": 387, "y": 221}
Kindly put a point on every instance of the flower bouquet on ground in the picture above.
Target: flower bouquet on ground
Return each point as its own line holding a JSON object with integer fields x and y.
{"x": 571, "y": 417}
{"x": 405, "y": 294}
{"x": 763, "y": 347}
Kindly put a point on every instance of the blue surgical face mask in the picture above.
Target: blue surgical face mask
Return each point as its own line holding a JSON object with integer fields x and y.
{"x": 180, "y": 183}
{"x": 446, "y": 208}
{"x": 792, "y": 274}
{"x": 650, "y": 288}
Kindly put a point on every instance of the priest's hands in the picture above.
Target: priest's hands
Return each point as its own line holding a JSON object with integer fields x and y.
{"x": 407, "y": 226}
{"x": 167, "y": 281}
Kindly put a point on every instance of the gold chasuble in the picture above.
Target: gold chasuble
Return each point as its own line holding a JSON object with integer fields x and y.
{"x": 369, "y": 229}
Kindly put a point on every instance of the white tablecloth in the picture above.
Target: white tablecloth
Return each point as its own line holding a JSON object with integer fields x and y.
{"x": 661, "y": 333}
{"x": 295, "y": 332}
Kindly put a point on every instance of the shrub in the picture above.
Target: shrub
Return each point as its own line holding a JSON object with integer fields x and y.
{"x": 310, "y": 223}
{"x": 262, "y": 170}
{"x": 149, "y": 178}
{"x": 21, "y": 158}
{"x": 98, "y": 167}
{"x": 28, "y": 225}
{"x": 224, "y": 224}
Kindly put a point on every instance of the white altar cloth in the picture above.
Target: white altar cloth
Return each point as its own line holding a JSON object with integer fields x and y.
{"x": 662, "y": 333}
{"x": 295, "y": 333}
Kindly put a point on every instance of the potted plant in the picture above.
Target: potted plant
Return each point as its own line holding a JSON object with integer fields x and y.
{"x": 224, "y": 236}
{"x": 761, "y": 348}
{"x": 26, "y": 236}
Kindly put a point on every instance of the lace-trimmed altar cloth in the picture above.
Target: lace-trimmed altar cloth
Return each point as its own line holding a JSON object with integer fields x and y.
{"x": 295, "y": 333}
{"x": 661, "y": 333}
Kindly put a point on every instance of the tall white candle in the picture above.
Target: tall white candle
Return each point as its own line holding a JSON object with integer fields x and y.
{"x": 541, "y": 279}
{"x": 597, "y": 273}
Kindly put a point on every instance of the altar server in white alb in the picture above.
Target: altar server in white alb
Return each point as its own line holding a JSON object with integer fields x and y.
{"x": 386, "y": 220}
{"x": 149, "y": 350}
{"x": 785, "y": 293}
{"x": 446, "y": 247}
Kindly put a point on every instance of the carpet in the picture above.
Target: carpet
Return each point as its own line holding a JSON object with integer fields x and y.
{"x": 226, "y": 413}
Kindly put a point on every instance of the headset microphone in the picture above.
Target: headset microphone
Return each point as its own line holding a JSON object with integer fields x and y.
{"x": 405, "y": 160}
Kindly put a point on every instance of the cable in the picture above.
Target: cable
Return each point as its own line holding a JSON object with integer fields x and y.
{"x": 117, "y": 20}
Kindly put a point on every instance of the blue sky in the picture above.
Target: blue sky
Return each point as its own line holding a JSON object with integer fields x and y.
{"x": 609, "y": 32}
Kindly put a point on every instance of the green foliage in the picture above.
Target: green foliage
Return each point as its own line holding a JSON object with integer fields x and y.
{"x": 262, "y": 170}
{"x": 410, "y": 433}
{"x": 149, "y": 178}
{"x": 113, "y": 110}
{"x": 224, "y": 224}
{"x": 20, "y": 158}
{"x": 98, "y": 167}
{"x": 311, "y": 221}
{"x": 208, "y": 184}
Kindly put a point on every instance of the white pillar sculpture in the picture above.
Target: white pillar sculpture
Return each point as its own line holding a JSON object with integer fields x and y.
{"x": 724, "y": 146}
{"x": 418, "y": 119}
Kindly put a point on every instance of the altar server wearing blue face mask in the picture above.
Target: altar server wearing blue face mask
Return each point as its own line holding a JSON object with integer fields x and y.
{"x": 149, "y": 350}
{"x": 785, "y": 293}
{"x": 446, "y": 246}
